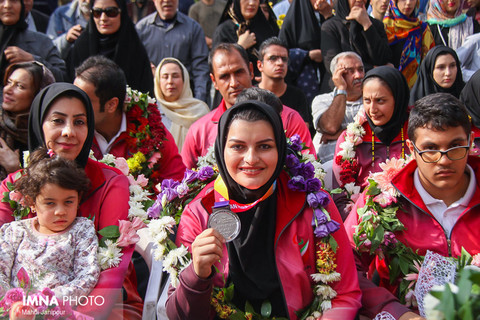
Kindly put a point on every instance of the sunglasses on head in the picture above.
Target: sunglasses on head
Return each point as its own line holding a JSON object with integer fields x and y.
{"x": 111, "y": 12}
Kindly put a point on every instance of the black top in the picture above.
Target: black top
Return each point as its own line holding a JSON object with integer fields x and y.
{"x": 471, "y": 97}
{"x": 124, "y": 47}
{"x": 295, "y": 99}
{"x": 444, "y": 32}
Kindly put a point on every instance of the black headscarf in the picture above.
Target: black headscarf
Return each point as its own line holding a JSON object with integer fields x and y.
{"x": 357, "y": 41}
{"x": 39, "y": 110}
{"x": 123, "y": 47}
{"x": 252, "y": 265}
{"x": 300, "y": 28}
{"x": 236, "y": 191}
{"x": 470, "y": 96}
{"x": 426, "y": 85}
{"x": 399, "y": 88}
{"x": 7, "y": 34}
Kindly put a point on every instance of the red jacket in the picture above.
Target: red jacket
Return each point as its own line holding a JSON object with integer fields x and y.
{"x": 422, "y": 232}
{"x": 106, "y": 202}
{"x": 203, "y": 132}
{"x": 293, "y": 224}
{"x": 170, "y": 162}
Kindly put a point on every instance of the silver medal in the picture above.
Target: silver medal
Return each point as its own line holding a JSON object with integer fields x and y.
{"x": 225, "y": 222}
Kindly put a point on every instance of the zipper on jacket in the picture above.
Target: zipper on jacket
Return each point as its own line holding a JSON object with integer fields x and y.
{"x": 449, "y": 245}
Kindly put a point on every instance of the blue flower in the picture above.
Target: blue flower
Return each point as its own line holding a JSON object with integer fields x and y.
{"x": 317, "y": 199}
{"x": 320, "y": 216}
{"x": 332, "y": 226}
{"x": 296, "y": 142}
{"x": 321, "y": 231}
{"x": 313, "y": 185}
{"x": 190, "y": 176}
{"x": 205, "y": 173}
{"x": 292, "y": 161}
{"x": 306, "y": 170}
{"x": 297, "y": 183}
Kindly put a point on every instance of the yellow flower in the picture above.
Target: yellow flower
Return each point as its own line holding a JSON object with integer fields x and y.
{"x": 325, "y": 258}
{"x": 135, "y": 162}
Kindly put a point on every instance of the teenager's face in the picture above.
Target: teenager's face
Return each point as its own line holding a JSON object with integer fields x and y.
{"x": 406, "y": 7}
{"x": 378, "y": 101}
{"x": 380, "y": 6}
{"x": 56, "y": 208}
{"x": 251, "y": 154}
{"x": 444, "y": 176}
{"x": 275, "y": 62}
{"x": 451, "y": 6}
{"x": 445, "y": 70}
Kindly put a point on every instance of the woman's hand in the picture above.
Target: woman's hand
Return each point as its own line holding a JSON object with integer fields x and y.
{"x": 360, "y": 14}
{"x": 16, "y": 55}
{"x": 315, "y": 55}
{"x": 247, "y": 39}
{"x": 73, "y": 33}
{"x": 206, "y": 250}
{"x": 9, "y": 159}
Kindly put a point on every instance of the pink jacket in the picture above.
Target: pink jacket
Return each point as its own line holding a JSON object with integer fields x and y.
{"x": 106, "y": 202}
{"x": 293, "y": 225}
{"x": 422, "y": 233}
{"x": 203, "y": 132}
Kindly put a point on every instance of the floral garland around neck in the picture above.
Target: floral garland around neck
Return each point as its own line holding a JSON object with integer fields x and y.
{"x": 378, "y": 223}
{"x": 306, "y": 174}
{"x": 145, "y": 136}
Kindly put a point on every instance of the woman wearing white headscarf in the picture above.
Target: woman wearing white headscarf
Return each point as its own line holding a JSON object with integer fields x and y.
{"x": 174, "y": 96}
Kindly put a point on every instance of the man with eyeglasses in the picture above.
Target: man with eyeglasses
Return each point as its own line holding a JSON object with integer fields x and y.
{"x": 439, "y": 196}
{"x": 273, "y": 64}
{"x": 333, "y": 111}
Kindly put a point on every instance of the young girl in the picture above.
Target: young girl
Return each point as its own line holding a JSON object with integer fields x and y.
{"x": 56, "y": 249}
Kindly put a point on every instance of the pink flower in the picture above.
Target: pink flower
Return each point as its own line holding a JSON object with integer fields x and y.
{"x": 384, "y": 199}
{"x": 121, "y": 164}
{"x": 413, "y": 277}
{"x": 360, "y": 117}
{"x": 21, "y": 312}
{"x": 138, "y": 223}
{"x": 411, "y": 299}
{"x": 476, "y": 260}
{"x": 23, "y": 278}
{"x": 153, "y": 159}
{"x": 15, "y": 196}
{"x": 128, "y": 235}
{"x": 140, "y": 181}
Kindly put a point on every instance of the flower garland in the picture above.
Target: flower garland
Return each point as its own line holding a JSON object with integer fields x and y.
{"x": 144, "y": 137}
{"x": 375, "y": 232}
{"x": 306, "y": 175}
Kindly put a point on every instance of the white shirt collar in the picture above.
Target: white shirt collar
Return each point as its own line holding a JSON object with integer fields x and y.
{"x": 105, "y": 145}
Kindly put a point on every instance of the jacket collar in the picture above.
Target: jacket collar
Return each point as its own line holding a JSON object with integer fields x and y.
{"x": 403, "y": 182}
{"x": 96, "y": 176}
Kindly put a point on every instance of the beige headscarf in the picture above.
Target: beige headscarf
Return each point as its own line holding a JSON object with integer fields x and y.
{"x": 183, "y": 112}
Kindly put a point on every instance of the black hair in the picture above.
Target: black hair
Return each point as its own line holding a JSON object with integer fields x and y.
{"x": 41, "y": 76}
{"x": 249, "y": 113}
{"x": 107, "y": 78}
{"x": 258, "y": 94}
{"x": 44, "y": 169}
{"x": 438, "y": 111}
{"x": 228, "y": 47}
{"x": 273, "y": 41}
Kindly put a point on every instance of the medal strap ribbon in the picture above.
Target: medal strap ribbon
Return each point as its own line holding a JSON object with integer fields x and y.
{"x": 222, "y": 199}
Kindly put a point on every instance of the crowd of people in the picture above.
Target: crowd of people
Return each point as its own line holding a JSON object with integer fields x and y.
{"x": 382, "y": 94}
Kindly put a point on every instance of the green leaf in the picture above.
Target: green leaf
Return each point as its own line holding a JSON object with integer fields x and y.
{"x": 266, "y": 309}
{"x": 110, "y": 232}
{"x": 229, "y": 293}
{"x": 333, "y": 243}
{"x": 336, "y": 191}
{"x": 249, "y": 307}
{"x": 447, "y": 304}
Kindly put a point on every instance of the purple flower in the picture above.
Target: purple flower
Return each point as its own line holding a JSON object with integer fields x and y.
{"x": 332, "y": 226}
{"x": 296, "y": 142}
{"x": 306, "y": 170}
{"x": 297, "y": 183}
{"x": 190, "y": 176}
{"x": 321, "y": 231}
{"x": 320, "y": 216}
{"x": 170, "y": 193}
{"x": 317, "y": 199}
{"x": 154, "y": 211}
{"x": 313, "y": 185}
{"x": 169, "y": 184}
{"x": 182, "y": 189}
{"x": 205, "y": 173}
{"x": 292, "y": 161}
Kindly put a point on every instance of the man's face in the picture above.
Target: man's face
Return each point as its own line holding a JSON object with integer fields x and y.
{"x": 275, "y": 62}
{"x": 231, "y": 75}
{"x": 445, "y": 176}
{"x": 167, "y": 9}
{"x": 353, "y": 75}
{"x": 89, "y": 88}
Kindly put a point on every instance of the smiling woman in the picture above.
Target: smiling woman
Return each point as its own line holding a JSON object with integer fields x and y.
{"x": 111, "y": 33}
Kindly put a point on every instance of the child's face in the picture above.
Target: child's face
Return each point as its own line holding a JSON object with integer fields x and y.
{"x": 56, "y": 208}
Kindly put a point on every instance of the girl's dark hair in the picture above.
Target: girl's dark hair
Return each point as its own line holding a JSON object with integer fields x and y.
{"x": 43, "y": 169}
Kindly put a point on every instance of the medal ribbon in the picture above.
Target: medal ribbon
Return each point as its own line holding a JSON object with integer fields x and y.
{"x": 221, "y": 195}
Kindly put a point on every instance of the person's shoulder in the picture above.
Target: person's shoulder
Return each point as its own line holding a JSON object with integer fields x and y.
{"x": 145, "y": 21}
{"x": 332, "y": 23}
{"x": 204, "y": 120}
{"x": 83, "y": 223}
{"x": 323, "y": 98}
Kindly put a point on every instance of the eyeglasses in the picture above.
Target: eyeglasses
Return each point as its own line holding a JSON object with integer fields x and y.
{"x": 275, "y": 58}
{"x": 111, "y": 12}
{"x": 433, "y": 156}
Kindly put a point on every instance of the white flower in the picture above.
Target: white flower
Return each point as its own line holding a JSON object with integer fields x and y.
{"x": 90, "y": 155}
{"x": 352, "y": 188}
{"x": 108, "y": 159}
{"x": 135, "y": 189}
{"x": 326, "y": 292}
{"x": 326, "y": 278}
{"x": 308, "y": 157}
{"x": 208, "y": 159}
{"x": 430, "y": 302}
{"x": 159, "y": 252}
{"x": 151, "y": 100}
{"x": 326, "y": 305}
{"x": 26, "y": 157}
{"x": 177, "y": 257}
{"x": 316, "y": 314}
{"x": 164, "y": 224}
{"x": 110, "y": 256}
{"x": 137, "y": 212}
